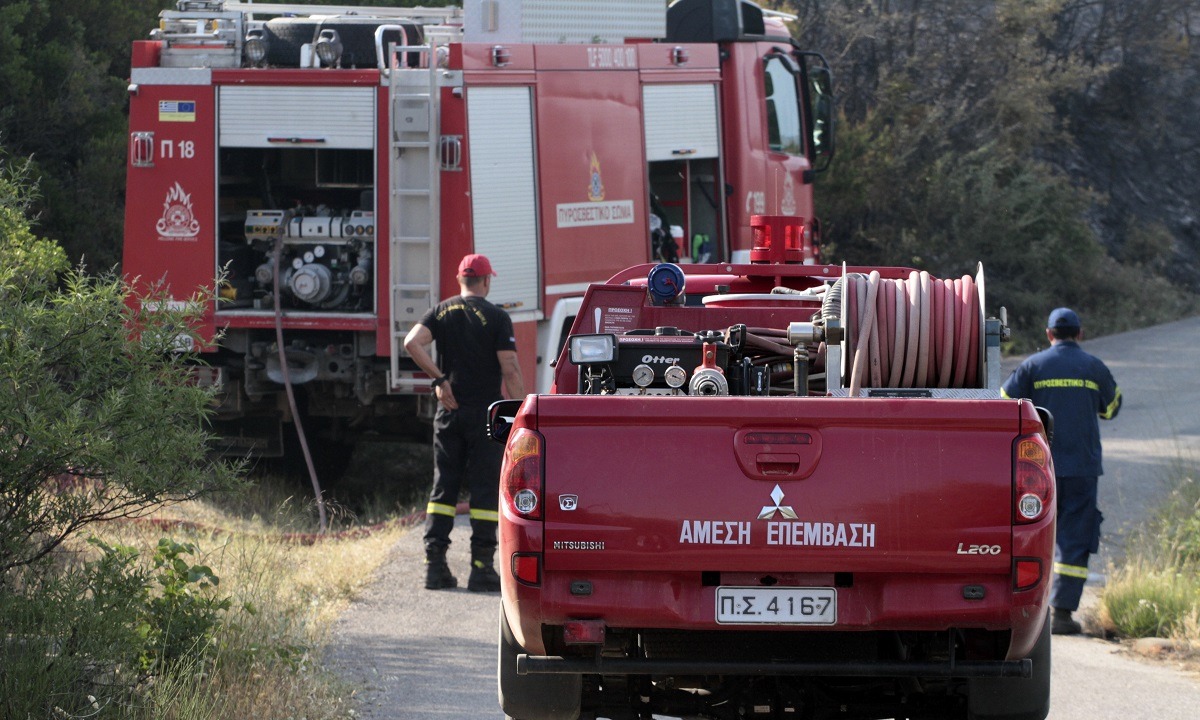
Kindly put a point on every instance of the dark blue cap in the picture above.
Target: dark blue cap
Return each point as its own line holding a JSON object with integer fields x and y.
{"x": 1063, "y": 318}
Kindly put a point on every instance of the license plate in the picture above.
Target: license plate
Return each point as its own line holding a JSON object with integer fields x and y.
{"x": 776, "y": 606}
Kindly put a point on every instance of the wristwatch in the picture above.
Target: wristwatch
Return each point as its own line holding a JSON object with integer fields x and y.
{"x": 437, "y": 381}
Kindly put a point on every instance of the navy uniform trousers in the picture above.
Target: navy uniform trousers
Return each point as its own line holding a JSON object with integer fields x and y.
{"x": 1077, "y": 538}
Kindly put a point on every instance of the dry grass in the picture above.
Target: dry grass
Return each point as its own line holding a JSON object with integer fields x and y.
{"x": 286, "y": 595}
{"x": 1155, "y": 592}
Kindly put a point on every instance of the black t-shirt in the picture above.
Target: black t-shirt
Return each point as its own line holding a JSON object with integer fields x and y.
{"x": 469, "y": 331}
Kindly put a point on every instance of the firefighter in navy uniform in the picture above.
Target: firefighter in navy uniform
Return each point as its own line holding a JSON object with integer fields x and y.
{"x": 476, "y": 354}
{"x": 1077, "y": 389}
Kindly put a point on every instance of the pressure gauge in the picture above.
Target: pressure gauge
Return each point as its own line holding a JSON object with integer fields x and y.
{"x": 297, "y": 263}
{"x": 319, "y": 251}
{"x": 308, "y": 257}
{"x": 643, "y": 375}
{"x": 675, "y": 376}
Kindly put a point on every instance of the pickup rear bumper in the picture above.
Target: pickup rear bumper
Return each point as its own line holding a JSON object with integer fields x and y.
{"x": 875, "y": 602}
{"x": 557, "y": 665}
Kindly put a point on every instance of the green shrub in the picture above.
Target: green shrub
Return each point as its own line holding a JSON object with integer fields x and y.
{"x": 1156, "y": 592}
{"x": 1143, "y": 600}
{"x": 182, "y": 615}
{"x": 71, "y": 637}
{"x": 92, "y": 639}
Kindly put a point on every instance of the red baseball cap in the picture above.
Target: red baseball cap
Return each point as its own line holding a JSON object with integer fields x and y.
{"x": 475, "y": 266}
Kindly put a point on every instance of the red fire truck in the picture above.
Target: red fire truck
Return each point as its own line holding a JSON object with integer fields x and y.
{"x": 325, "y": 168}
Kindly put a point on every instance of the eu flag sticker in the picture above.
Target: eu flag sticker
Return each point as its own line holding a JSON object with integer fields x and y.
{"x": 177, "y": 111}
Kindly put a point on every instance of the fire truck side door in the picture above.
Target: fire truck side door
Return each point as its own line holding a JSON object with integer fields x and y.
{"x": 682, "y": 130}
{"x": 504, "y": 191}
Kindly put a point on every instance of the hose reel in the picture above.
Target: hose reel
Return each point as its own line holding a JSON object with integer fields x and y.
{"x": 914, "y": 332}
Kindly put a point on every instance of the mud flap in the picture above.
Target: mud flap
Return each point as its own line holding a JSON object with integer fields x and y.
{"x": 1015, "y": 698}
{"x": 533, "y": 697}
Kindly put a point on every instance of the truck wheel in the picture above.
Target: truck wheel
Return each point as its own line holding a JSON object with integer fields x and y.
{"x": 1015, "y": 698}
{"x": 533, "y": 697}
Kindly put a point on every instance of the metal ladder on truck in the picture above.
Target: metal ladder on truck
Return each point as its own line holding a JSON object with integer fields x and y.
{"x": 413, "y": 166}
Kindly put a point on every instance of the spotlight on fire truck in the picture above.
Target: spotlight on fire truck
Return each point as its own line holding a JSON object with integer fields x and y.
{"x": 592, "y": 349}
{"x": 256, "y": 47}
{"x": 329, "y": 48}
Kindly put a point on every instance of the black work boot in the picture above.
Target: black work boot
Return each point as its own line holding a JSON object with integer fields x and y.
{"x": 1061, "y": 623}
{"x": 437, "y": 572}
{"x": 483, "y": 575}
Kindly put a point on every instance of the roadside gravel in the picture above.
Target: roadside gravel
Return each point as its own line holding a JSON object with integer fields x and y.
{"x": 417, "y": 653}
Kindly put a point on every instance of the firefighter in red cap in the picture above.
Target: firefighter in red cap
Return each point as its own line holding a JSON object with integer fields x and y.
{"x": 476, "y": 356}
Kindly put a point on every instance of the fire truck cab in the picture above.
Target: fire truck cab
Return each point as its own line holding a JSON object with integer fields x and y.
{"x": 320, "y": 170}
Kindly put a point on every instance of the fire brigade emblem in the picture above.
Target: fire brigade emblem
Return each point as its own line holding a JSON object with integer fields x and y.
{"x": 769, "y": 511}
{"x": 178, "y": 221}
{"x": 596, "y": 183}
{"x": 787, "y": 203}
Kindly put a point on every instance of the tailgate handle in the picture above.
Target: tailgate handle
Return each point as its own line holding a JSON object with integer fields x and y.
{"x": 777, "y": 453}
{"x": 777, "y": 463}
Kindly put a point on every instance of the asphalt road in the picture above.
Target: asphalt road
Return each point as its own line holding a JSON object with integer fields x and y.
{"x": 421, "y": 654}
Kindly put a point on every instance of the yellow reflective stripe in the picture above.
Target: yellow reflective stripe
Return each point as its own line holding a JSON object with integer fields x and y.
{"x": 440, "y": 509}
{"x": 1066, "y": 383}
{"x": 1112, "y": 406}
{"x": 492, "y": 515}
{"x": 1074, "y": 571}
{"x": 1005, "y": 395}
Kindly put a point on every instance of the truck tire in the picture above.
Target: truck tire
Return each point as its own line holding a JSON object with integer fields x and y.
{"x": 1015, "y": 698}
{"x": 533, "y": 697}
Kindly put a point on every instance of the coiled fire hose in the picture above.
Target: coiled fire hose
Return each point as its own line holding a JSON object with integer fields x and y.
{"x": 918, "y": 332}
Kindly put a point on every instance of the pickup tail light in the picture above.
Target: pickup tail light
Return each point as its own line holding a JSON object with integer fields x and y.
{"x": 521, "y": 475}
{"x": 1033, "y": 484}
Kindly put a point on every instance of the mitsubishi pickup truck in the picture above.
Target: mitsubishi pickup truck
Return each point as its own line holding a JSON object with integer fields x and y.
{"x": 776, "y": 490}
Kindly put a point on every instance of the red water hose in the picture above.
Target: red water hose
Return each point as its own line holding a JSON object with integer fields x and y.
{"x": 287, "y": 378}
{"x": 918, "y": 332}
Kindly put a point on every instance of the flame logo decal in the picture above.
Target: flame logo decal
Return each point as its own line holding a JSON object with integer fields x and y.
{"x": 178, "y": 220}
{"x": 596, "y": 183}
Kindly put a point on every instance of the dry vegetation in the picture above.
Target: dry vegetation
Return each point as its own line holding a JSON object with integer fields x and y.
{"x": 285, "y": 595}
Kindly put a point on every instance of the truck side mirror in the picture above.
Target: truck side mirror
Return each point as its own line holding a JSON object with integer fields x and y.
{"x": 821, "y": 95}
{"x": 501, "y": 415}
{"x": 1047, "y": 422}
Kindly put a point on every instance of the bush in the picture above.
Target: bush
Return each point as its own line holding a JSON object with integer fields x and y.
{"x": 1156, "y": 593}
{"x": 99, "y": 419}
{"x": 88, "y": 639}
{"x": 1146, "y": 600}
{"x": 99, "y": 413}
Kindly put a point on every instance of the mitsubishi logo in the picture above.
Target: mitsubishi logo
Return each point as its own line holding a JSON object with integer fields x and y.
{"x": 769, "y": 511}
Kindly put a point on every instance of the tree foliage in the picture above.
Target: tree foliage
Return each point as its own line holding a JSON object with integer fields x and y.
{"x": 100, "y": 418}
{"x": 1093, "y": 98}
{"x": 63, "y": 102}
{"x": 958, "y": 144}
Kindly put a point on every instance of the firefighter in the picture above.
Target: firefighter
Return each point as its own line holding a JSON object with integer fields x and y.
{"x": 476, "y": 355}
{"x": 1076, "y": 388}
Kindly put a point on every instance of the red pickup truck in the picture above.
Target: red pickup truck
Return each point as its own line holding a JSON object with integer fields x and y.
{"x": 775, "y": 491}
